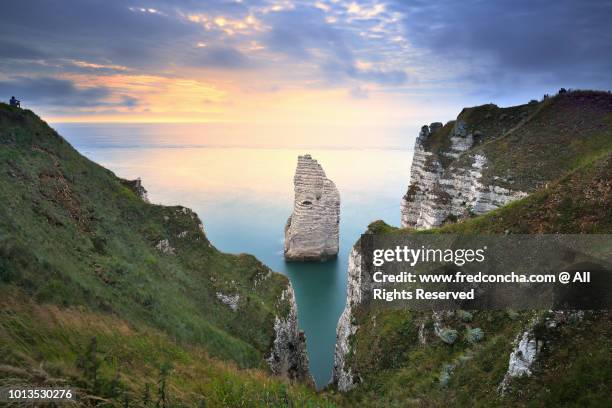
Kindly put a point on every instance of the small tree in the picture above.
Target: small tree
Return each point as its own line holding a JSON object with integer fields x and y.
{"x": 146, "y": 397}
{"x": 162, "y": 395}
{"x": 89, "y": 364}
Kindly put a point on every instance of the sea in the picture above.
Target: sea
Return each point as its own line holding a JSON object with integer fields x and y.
{"x": 239, "y": 180}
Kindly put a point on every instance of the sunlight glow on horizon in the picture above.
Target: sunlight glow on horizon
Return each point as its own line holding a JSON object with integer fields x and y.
{"x": 165, "y": 99}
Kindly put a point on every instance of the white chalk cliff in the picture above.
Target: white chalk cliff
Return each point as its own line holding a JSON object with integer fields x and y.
{"x": 437, "y": 193}
{"x": 312, "y": 230}
{"x": 485, "y": 159}
{"x": 357, "y": 288}
{"x": 288, "y": 357}
{"x": 446, "y": 183}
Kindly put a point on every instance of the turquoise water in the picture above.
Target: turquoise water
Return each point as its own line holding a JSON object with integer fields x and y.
{"x": 244, "y": 194}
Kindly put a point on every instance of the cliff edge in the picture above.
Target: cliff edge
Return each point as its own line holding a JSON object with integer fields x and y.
{"x": 83, "y": 248}
{"x": 491, "y": 156}
{"x": 553, "y": 160}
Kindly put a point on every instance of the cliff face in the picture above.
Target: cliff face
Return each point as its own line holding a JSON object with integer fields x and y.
{"x": 490, "y": 156}
{"x": 312, "y": 230}
{"x": 556, "y": 155}
{"x": 357, "y": 289}
{"x": 437, "y": 194}
{"x": 73, "y": 235}
{"x": 288, "y": 357}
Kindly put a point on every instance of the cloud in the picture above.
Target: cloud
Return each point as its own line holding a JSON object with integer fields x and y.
{"x": 306, "y": 37}
{"x": 358, "y": 92}
{"x": 96, "y": 30}
{"x": 339, "y": 71}
{"x": 561, "y": 42}
{"x": 98, "y": 66}
{"x": 18, "y": 50}
{"x": 479, "y": 47}
{"x": 56, "y": 92}
{"x": 302, "y": 33}
{"x": 221, "y": 57}
{"x": 379, "y": 76}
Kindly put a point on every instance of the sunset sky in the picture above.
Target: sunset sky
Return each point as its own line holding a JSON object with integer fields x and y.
{"x": 324, "y": 62}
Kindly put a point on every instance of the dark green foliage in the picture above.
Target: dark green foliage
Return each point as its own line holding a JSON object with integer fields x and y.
{"x": 89, "y": 364}
{"x": 162, "y": 393}
{"x": 75, "y": 236}
{"x": 561, "y": 149}
{"x": 72, "y": 233}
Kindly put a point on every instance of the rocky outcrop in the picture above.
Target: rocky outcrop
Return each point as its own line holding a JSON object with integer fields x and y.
{"x": 288, "y": 357}
{"x": 230, "y": 301}
{"x": 528, "y": 346}
{"x": 137, "y": 187}
{"x": 522, "y": 358}
{"x": 312, "y": 230}
{"x": 165, "y": 248}
{"x": 357, "y": 289}
{"x": 440, "y": 191}
{"x": 485, "y": 159}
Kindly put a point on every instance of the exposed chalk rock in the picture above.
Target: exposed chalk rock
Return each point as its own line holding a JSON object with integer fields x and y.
{"x": 312, "y": 230}
{"x": 230, "y": 301}
{"x": 357, "y": 288}
{"x": 522, "y": 358}
{"x": 288, "y": 357}
{"x": 527, "y": 346}
{"x": 137, "y": 187}
{"x": 165, "y": 248}
{"x": 437, "y": 193}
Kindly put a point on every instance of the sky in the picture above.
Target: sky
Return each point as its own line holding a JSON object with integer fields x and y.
{"x": 326, "y": 62}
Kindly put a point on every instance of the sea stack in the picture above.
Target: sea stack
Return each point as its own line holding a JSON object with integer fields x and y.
{"x": 312, "y": 230}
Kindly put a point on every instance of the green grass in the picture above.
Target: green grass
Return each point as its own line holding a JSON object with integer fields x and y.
{"x": 73, "y": 235}
{"x": 51, "y": 346}
{"x": 529, "y": 145}
{"x": 78, "y": 261}
{"x": 573, "y": 369}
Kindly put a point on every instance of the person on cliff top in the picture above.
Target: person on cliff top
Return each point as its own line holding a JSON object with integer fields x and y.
{"x": 15, "y": 102}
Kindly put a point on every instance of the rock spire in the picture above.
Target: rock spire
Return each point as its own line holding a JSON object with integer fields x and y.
{"x": 311, "y": 232}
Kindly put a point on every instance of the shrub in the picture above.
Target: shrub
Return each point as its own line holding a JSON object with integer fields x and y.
{"x": 465, "y": 316}
{"x": 449, "y": 336}
{"x": 474, "y": 335}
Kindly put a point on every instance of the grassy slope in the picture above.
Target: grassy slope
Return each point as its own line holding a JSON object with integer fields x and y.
{"x": 576, "y": 370}
{"x": 47, "y": 346}
{"x": 527, "y": 146}
{"x": 563, "y": 132}
{"x": 72, "y": 234}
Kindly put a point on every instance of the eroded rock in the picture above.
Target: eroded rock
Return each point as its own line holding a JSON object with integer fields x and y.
{"x": 312, "y": 230}
{"x": 288, "y": 357}
{"x": 437, "y": 193}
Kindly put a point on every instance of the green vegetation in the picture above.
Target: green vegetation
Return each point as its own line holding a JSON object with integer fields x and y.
{"x": 400, "y": 358}
{"x": 563, "y": 132}
{"x": 118, "y": 297}
{"x": 83, "y": 246}
{"x": 572, "y": 370}
{"x": 110, "y": 361}
{"x": 528, "y": 145}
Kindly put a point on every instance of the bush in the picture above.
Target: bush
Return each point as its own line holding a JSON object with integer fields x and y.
{"x": 445, "y": 375}
{"x": 474, "y": 335}
{"x": 465, "y": 316}
{"x": 449, "y": 336}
